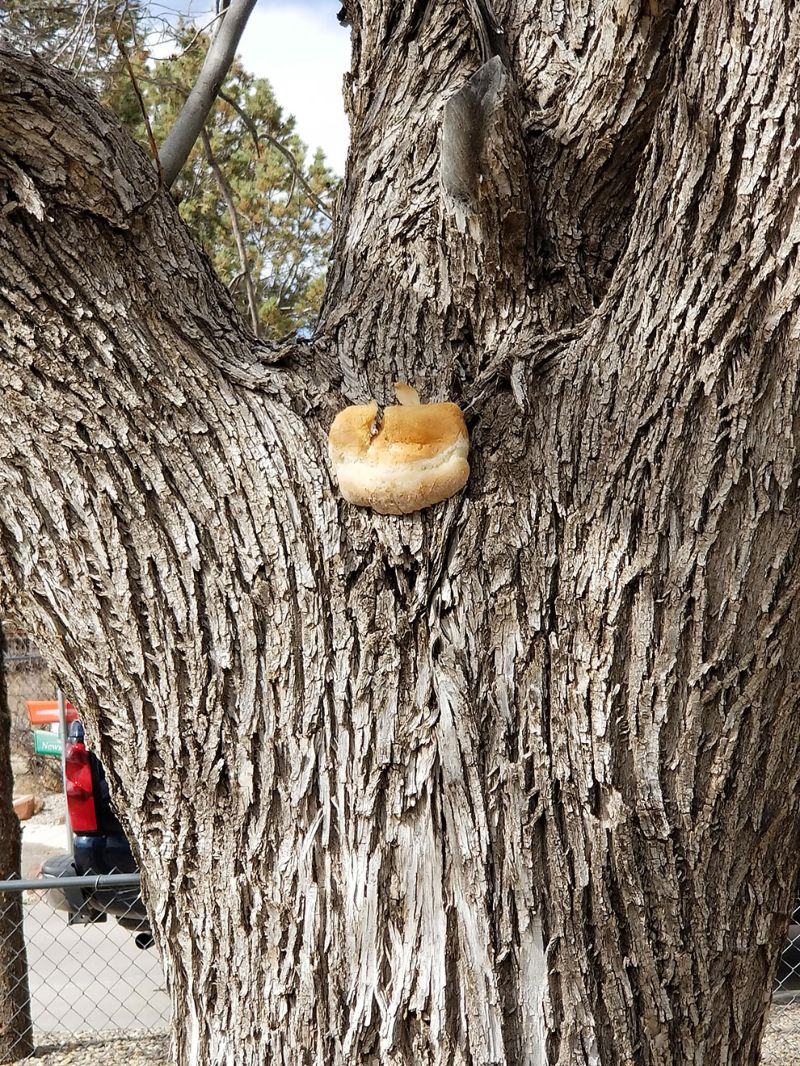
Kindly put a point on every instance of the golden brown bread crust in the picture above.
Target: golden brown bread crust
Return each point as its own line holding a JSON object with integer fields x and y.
{"x": 406, "y": 433}
{"x": 417, "y": 457}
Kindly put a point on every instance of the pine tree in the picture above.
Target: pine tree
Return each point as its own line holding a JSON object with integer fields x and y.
{"x": 261, "y": 213}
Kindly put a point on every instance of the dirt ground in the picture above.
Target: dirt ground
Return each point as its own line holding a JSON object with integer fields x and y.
{"x": 27, "y": 678}
{"x": 781, "y": 1046}
{"x": 30, "y": 776}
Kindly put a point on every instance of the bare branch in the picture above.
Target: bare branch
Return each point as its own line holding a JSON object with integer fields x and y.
{"x": 257, "y": 135}
{"x": 221, "y": 6}
{"x": 181, "y": 138}
{"x": 140, "y": 99}
{"x": 288, "y": 156}
{"x": 230, "y": 203}
{"x": 198, "y": 36}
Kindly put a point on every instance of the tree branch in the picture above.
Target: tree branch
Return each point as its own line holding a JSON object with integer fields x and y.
{"x": 490, "y": 35}
{"x": 140, "y": 100}
{"x": 258, "y": 135}
{"x": 230, "y": 203}
{"x": 181, "y": 138}
{"x": 70, "y": 176}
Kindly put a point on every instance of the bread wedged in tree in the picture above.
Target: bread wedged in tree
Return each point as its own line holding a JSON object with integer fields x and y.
{"x": 411, "y": 458}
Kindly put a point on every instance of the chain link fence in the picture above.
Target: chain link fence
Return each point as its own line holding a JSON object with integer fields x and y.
{"x": 781, "y": 1045}
{"x": 91, "y": 964}
{"x": 93, "y": 972}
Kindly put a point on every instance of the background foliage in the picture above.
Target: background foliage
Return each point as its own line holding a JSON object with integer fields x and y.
{"x": 261, "y": 212}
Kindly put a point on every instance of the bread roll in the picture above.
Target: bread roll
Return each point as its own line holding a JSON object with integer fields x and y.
{"x": 414, "y": 457}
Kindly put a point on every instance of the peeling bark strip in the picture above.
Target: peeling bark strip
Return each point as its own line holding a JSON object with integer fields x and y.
{"x": 515, "y": 781}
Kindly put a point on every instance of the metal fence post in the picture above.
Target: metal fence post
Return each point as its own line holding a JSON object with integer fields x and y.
{"x": 62, "y": 725}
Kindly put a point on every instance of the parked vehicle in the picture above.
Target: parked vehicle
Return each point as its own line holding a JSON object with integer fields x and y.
{"x": 100, "y": 847}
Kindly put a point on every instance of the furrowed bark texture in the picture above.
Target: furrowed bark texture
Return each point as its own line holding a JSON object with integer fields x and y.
{"x": 513, "y": 781}
{"x": 16, "y": 1030}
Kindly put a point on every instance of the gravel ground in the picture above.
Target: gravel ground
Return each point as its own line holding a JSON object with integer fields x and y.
{"x": 93, "y": 1049}
{"x": 781, "y": 1046}
{"x": 52, "y": 812}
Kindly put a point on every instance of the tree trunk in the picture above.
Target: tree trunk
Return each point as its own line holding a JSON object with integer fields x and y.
{"x": 16, "y": 1030}
{"x": 515, "y": 780}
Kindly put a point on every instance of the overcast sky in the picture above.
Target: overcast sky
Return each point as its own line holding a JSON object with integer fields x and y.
{"x": 299, "y": 46}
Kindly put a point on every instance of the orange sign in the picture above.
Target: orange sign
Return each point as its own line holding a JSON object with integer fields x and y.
{"x": 44, "y": 712}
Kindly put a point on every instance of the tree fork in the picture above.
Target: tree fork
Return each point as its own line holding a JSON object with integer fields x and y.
{"x": 513, "y": 781}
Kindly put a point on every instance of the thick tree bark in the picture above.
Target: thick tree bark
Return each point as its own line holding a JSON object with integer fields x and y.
{"x": 513, "y": 781}
{"x": 16, "y": 1030}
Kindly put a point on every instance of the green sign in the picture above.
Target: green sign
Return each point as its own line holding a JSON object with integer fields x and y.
{"x": 46, "y": 743}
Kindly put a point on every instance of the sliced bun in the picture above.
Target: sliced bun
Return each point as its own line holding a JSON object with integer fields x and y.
{"x": 413, "y": 457}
